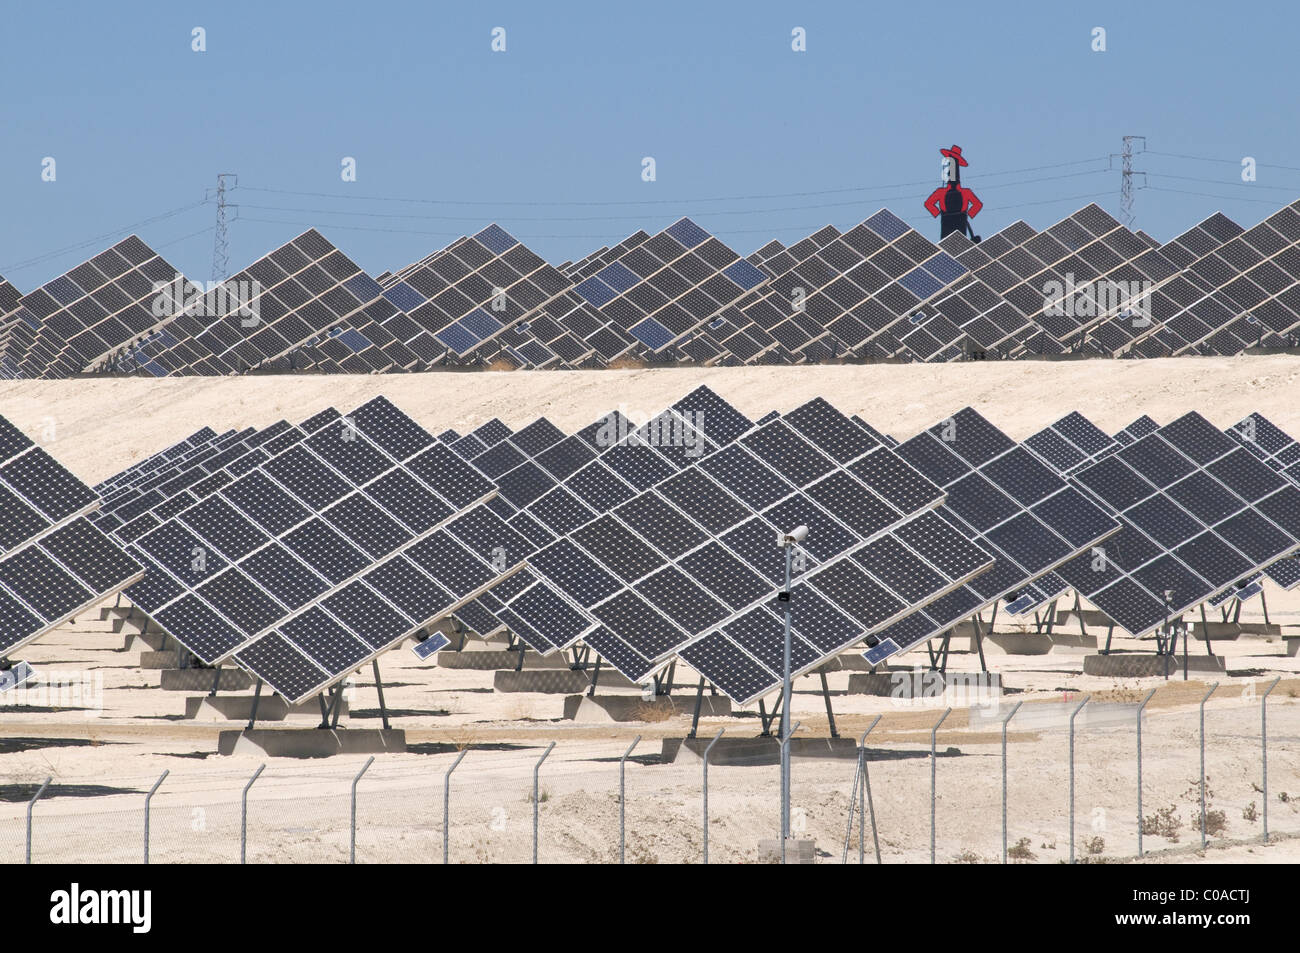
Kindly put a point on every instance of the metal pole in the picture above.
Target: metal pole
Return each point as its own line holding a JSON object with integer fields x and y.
{"x": 865, "y": 792}
{"x": 352, "y": 848}
{"x": 537, "y": 770}
{"x": 1203, "y": 701}
{"x": 707, "y": 751}
{"x": 31, "y": 804}
{"x": 1139, "y": 741}
{"x": 243, "y": 816}
{"x": 446, "y": 804}
{"x": 785, "y": 758}
{"x": 1006, "y": 721}
{"x": 622, "y": 800}
{"x": 147, "y": 798}
{"x": 1072, "y": 716}
{"x": 933, "y": 732}
{"x": 785, "y": 712}
{"x": 1263, "y": 747}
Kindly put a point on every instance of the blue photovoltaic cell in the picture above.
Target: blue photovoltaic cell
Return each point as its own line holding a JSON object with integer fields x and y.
{"x": 744, "y": 274}
{"x": 480, "y": 323}
{"x": 432, "y": 645}
{"x": 921, "y": 283}
{"x": 652, "y": 334}
{"x": 618, "y": 276}
{"x": 687, "y": 232}
{"x": 404, "y": 296}
{"x": 886, "y": 224}
{"x": 496, "y": 238}
{"x": 457, "y": 338}
{"x": 354, "y": 340}
{"x": 596, "y": 291}
{"x": 363, "y": 286}
{"x": 946, "y": 268}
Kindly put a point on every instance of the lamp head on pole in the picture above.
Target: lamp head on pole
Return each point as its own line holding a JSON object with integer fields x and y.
{"x": 792, "y": 538}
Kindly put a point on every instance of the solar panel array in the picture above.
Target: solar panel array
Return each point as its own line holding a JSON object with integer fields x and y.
{"x": 53, "y": 562}
{"x": 1198, "y": 513}
{"x": 302, "y": 552}
{"x": 878, "y": 291}
{"x": 1001, "y": 497}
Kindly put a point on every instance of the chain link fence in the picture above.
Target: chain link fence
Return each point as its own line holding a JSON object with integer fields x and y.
{"x": 516, "y": 802}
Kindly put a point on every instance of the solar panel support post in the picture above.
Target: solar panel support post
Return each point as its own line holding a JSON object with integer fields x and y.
{"x": 324, "y": 709}
{"x": 379, "y": 689}
{"x": 595, "y": 677}
{"x": 1073, "y": 714}
{"x": 446, "y": 805}
{"x": 704, "y": 787}
{"x": 979, "y": 639}
{"x": 1110, "y": 633}
{"x": 933, "y": 735}
{"x": 1140, "y": 708}
{"x": 32, "y": 803}
{"x": 830, "y": 713}
{"x": 216, "y": 680}
{"x": 537, "y": 769}
{"x": 699, "y": 700}
{"x": 257, "y": 697}
{"x": 519, "y": 662}
{"x": 1051, "y": 617}
{"x": 1202, "y": 779}
{"x": 243, "y": 815}
{"x": 1263, "y": 604}
{"x": 352, "y": 834}
{"x": 1006, "y": 721}
{"x": 147, "y": 798}
{"x": 1209, "y": 648}
{"x": 337, "y": 707}
{"x": 1263, "y": 747}
{"x": 622, "y": 802}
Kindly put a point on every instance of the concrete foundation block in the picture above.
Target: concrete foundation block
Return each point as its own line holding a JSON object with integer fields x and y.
{"x": 796, "y": 851}
{"x": 1146, "y": 666}
{"x": 1072, "y": 641}
{"x": 1218, "y": 631}
{"x": 898, "y": 683}
{"x": 152, "y": 658}
{"x": 200, "y": 680}
{"x": 1292, "y": 643}
{"x": 311, "y": 742}
{"x": 554, "y": 682}
{"x": 620, "y": 708}
{"x": 499, "y": 660}
{"x": 217, "y": 708}
{"x": 135, "y": 624}
{"x": 755, "y": 752}
{"x": 1030, "y": 643}
{"x": 153, "y": 641}
{"x": 1260, "y": 628}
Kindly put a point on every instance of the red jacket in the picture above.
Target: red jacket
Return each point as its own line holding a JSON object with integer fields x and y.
{"x": 971, "y": 204}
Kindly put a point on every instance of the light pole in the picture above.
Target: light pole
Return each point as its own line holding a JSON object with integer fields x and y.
{"x": 787, "y": 541}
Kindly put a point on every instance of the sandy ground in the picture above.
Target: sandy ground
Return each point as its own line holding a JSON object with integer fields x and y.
{"x": 104, "y": 750}
{"x": 98, "y": 427}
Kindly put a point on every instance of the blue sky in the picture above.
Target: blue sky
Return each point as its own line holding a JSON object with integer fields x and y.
{"x": 750, "y": 139}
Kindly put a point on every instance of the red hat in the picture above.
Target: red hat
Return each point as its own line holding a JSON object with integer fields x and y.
{"x": 954, "y": 153}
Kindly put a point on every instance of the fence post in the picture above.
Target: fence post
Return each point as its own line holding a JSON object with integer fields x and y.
{"x": 1263, "y": 746}
{"x": 243, "y": 815}
{"x": 864, "y": 799}
{"x": 933, "y": 732}
{"x": 147, "y": 798}
{"x": 31, "y": 804}
{"x": 352, "y": 840}
{"x": 1203, "y": 701}
{"x": 1006, "y": 721}
{"x": 1072, "y": 716}
{"x": 446, "y": 805}
{"x": 536, "y": 771}
{"x": 707, "y": 751}
{"x": 1139, "y": 741}
{"x": 622, "y": 801}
